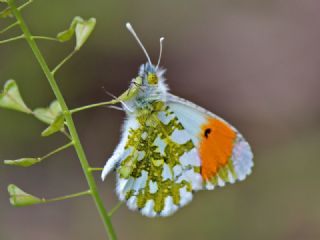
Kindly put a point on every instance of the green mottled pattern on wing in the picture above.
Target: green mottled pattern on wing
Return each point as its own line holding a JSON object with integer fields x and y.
{"x": 146, "y": 155}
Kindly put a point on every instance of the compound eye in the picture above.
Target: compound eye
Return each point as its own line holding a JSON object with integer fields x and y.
{"x": 152, "y": 78}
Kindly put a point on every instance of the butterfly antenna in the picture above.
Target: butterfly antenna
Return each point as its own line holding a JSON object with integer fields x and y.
{"x": 130, "y": 28}
{"x": 160, "y": 54}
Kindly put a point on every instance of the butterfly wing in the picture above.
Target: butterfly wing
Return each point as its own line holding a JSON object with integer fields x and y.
{"x": 224, "y": 154}
{"x": 168, "y": 153}
{"x": 157, "y": 163}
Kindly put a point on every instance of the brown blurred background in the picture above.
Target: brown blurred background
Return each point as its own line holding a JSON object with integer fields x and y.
{"x": 255, "y": 63}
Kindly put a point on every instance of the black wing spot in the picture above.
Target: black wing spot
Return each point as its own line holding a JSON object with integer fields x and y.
{"x": 207, "y": 132}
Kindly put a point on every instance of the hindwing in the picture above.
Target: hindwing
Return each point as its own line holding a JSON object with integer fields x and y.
{"x": 160, "y": 166}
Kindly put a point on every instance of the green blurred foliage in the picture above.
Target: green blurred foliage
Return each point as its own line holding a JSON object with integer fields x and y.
{"x": 255, "y": 63}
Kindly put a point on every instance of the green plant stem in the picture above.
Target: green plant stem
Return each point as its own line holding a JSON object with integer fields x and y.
{"x": 95, "y": 169}
{"x": 63, "y": 62}
{"x": 24, "y": 5}
{"x": 94, "y": 105}
{"x": 22, "y": 37}
{"x": 88, "y": 192}
{"x": 45, "y": 38}
{"x": 113, "y": 210}
{"x": 66, "y": 134}
{"x": 12, "y": 39}
{"x": 77, "y": 144}
{"x": 57, "y": 150}
{"x": 9, "y": 27}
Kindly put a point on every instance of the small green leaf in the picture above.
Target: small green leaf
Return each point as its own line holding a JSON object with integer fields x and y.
{"x": 48, "y": 115}
{"x": 10, "y": 98}
{"x": 56, "y": 125}
{"x": 67, "y": 34}
{"x": 19, "y": 198}
{"x": 22, "y": 162}
{"x": 51, "y": 115}
{"x": 83, "y": 31}
{"x": 81, "y": 28}
{"x": 55, "y": 107}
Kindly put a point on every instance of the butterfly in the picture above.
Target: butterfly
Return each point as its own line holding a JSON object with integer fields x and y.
{"x": 170, "y": 147}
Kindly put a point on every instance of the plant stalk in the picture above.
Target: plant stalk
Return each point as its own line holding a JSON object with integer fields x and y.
{"x": 73, "y": 132}
{"x": 75, "y": 195}
{"x": 56, "y": 151}
{"x": 9, "y": 27}
{"x": 94, "y": 106}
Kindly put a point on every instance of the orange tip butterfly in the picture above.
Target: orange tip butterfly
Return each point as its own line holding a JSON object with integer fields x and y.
{"x": 170, "y": 147}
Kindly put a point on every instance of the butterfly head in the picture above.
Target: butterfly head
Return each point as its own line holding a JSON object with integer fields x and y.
{"x": 149, "y": 85}
{"x": 148, "y": 74}
{"x": 149, "y": 80}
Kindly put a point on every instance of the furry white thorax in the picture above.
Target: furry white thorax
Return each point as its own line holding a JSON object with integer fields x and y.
{"x": 147, "y": 93}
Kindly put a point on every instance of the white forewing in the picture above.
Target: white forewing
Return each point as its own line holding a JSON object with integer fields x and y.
{"x": 191, "y": 114}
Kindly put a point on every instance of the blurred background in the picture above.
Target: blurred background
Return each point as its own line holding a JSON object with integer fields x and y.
{"x": 255, "y": 63}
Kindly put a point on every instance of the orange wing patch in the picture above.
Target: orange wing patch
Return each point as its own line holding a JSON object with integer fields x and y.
{"x": 216, "y": 144}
